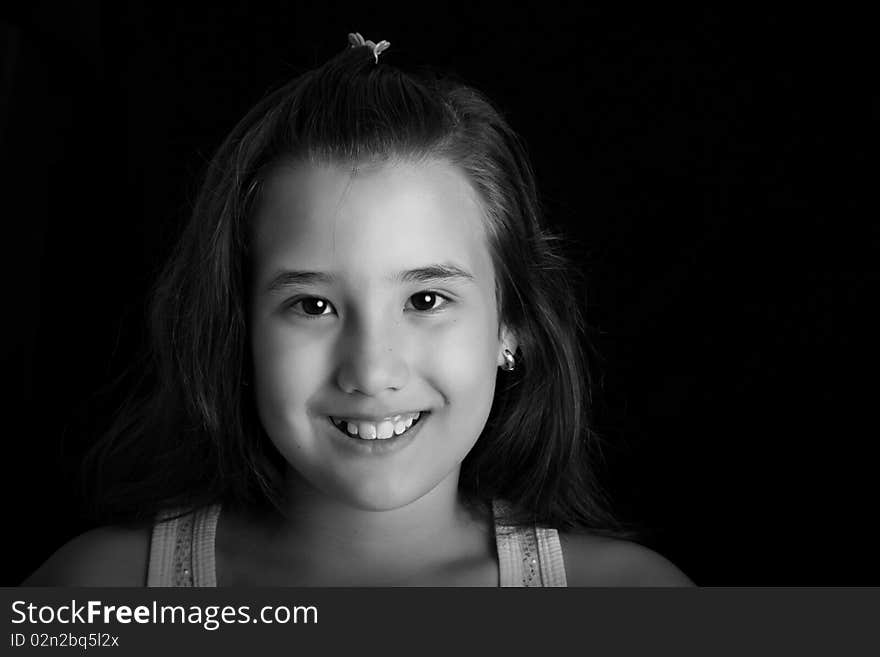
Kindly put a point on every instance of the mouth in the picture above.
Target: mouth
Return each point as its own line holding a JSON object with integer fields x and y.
{"x": 387, "y": 429}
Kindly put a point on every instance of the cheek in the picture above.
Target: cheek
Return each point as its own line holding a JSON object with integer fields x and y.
{"x": 464, "y": 362}
{"x": 287, "y": 372}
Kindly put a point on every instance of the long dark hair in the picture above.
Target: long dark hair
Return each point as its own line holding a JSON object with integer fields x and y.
{"x": 192, "y": 436}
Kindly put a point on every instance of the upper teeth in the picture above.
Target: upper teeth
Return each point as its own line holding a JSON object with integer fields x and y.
{"x": 382, "y": 430}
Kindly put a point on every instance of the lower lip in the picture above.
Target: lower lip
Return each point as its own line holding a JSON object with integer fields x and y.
{"x": 378, "y": 445}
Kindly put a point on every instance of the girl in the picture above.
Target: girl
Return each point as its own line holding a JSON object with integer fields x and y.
{"x": 367, "y": 364}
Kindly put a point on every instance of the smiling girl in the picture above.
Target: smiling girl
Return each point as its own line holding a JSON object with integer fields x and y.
{"x": 367, "y": 362}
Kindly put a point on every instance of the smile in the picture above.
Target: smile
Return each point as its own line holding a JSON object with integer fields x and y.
{"x": 382, "y": 430}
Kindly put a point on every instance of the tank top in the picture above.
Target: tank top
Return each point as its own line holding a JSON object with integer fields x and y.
{"x": 182, "y": 551}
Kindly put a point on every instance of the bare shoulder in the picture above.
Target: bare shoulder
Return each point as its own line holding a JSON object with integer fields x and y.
{"x": 592, "y": 560}
{"x": 107, "y": 556}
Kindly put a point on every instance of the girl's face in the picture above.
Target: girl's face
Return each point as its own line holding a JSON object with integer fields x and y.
{"x": 373, "y": 300}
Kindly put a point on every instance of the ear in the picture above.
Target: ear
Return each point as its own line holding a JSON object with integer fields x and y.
{"x": 506, "y": 340}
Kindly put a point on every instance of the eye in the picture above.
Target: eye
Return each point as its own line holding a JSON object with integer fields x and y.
{"x": 312, "y": 306}
{"x": 428, "y": 301}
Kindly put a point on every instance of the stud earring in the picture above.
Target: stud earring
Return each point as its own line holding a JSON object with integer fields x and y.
{"x": 509, "y": 361}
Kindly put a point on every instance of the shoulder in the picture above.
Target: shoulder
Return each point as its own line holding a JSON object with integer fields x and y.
{"x": 107, "y": 556}
{"x": 592, "y": 560}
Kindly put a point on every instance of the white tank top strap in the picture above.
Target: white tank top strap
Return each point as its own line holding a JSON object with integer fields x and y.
{"x": 528, "y": 556}
{"x": 182, "y": 548}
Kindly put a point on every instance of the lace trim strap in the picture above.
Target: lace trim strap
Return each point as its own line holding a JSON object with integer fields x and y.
{"x": 182, "y": 549}
{"x": 204, "y": 567}
{"x": 167, "y": 553}
{"x": 550, "y": 557}
{"x": 528, "y": 556}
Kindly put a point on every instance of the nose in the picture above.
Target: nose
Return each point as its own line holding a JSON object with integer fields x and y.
{"x": 372, "y": 362}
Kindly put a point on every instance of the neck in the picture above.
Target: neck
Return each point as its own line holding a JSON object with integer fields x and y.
{"x": 434, "y": 527}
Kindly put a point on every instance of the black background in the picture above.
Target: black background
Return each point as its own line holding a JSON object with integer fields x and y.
{"x": 705, "y": 164}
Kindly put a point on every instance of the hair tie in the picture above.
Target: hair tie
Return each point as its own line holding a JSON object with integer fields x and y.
{"x": 357, "y": 41}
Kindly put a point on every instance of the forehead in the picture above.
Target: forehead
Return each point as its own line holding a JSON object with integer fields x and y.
{"x": 369, "y": 222}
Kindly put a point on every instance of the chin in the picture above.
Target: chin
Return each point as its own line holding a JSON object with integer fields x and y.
{"x": 383, "y": 495}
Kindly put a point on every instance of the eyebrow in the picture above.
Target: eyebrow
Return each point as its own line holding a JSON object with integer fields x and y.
{"x": 445, "y": 272}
